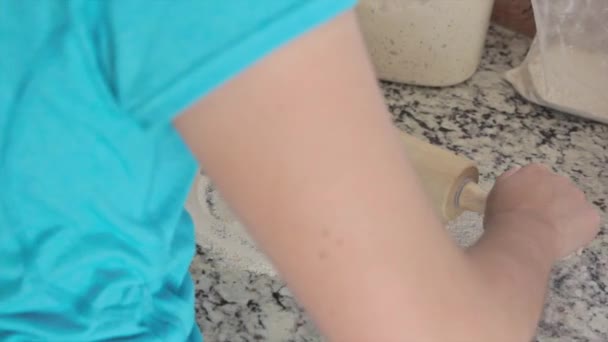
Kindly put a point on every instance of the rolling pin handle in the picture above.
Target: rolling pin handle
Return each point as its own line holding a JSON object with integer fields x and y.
{"x": 472, "y": 197}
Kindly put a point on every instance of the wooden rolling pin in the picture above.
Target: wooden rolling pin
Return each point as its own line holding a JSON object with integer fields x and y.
{"x": 449, "y": 180}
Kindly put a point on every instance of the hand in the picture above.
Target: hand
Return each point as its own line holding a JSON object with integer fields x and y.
{"x": 535, "y": 194}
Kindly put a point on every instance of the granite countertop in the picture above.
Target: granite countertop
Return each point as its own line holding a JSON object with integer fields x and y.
{"x": 487, "y": 121}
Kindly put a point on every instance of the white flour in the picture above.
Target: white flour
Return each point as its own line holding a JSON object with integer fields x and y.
{"x": 218, "y": 229}
{"x": 426, "y": 42}
{"x": 568, "y": 79}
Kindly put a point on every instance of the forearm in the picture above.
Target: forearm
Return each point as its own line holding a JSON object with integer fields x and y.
{"x": 493, "y": 292}
{"x": 514, "y": 260}
{"x": 394, "y": 287}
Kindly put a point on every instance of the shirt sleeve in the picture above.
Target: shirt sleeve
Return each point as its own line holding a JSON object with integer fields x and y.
{"x": 163, "y": 55}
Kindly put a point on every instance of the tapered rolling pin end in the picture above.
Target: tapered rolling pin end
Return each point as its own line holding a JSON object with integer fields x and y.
{"x": 472, "y": 198}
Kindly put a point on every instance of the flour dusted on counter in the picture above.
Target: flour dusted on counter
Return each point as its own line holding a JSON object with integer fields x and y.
{"x": 571, "y": 80}
{"x": 217, "y": 228}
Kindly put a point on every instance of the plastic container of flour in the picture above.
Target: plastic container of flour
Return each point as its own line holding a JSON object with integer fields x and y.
{"x": 425, "y": 42}
{"x": 567, "y": 65}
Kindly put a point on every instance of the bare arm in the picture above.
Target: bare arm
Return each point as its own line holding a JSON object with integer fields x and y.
{"x": 303, "y": 149}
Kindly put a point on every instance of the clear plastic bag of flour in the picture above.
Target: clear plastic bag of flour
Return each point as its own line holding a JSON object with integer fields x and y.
{"x": 567, "y": 65}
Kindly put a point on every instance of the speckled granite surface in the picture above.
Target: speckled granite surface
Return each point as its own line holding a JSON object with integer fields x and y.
{"x": 485, "y": 120}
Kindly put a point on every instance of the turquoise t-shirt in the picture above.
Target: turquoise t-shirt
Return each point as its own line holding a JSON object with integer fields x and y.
{"x": 94, "y": 240}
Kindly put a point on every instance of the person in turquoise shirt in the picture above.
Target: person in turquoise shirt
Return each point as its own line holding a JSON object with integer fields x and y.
{"x": 107, "y": 108}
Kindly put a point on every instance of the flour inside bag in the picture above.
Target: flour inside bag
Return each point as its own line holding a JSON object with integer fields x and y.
{"x": 567, "y": 65}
